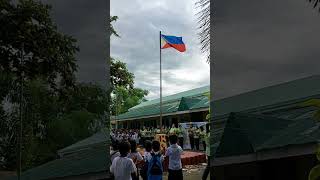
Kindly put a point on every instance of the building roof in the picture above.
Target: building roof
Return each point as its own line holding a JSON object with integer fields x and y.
{"x": 190, "y": 93}
{"x": 251, "y": 133}
{"x": 98, "y": 139}
{"x": 184, "y": 101}
{"x": 93, "y": 160}
{"x": 274, "y": 95}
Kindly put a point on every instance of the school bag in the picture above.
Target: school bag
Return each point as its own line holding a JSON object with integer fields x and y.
{"x": 144, "y": 170}
{"x": 155, "y": 169}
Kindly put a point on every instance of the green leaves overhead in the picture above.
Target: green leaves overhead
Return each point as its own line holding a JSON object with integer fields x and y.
{"x": 123, "y": 99}
{"x": 120, "y": 75}
{"x": 113, "y": 31}
{"x": 26, "y": 28}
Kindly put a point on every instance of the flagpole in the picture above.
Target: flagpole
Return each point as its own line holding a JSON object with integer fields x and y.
{"x": 160, "y": 83}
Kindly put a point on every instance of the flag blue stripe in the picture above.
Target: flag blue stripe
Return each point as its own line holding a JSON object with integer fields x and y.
{"x": 173, "y": 39}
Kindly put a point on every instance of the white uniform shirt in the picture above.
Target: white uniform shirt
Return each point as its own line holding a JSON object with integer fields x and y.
{"x": 136, "y": 156}
{"x": 174, "y": 152}
{"x": 122, "y": 168}
{"x": 149, "y": 156}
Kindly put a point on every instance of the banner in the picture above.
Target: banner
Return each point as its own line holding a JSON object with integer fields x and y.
{"x": 162, "y": 139}
{"x": 185, "y": 127}
{"x": 194, "y": 124}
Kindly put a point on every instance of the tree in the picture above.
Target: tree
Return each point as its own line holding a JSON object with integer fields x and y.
{"x": 123, "y": 99}
{"x": 113, "y": 31}
{"x": 48, "y": 71}
{"x": 315, "y": 4}
{"x": 124, "y": 94}
{"x": 120, "y": 75}
{"x": 204, "y": 26}
{"x": 26, "y": 28}
{"x": 208, "y": 117}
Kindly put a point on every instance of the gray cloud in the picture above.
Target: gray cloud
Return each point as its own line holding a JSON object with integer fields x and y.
{"x": 257, "y": 43}
{"x": 261, "y": 43}
{"x": 139, "y": 25}
{"x": 86, "y": 21}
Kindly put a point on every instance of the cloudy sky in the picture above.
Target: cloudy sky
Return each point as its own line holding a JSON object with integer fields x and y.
{"x": 257, "y": 43}
{"x": 139, "y": 24}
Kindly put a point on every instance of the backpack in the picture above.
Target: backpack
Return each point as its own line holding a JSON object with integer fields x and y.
{"x": 155, "y": 166}
{"x": 144, "y": 170}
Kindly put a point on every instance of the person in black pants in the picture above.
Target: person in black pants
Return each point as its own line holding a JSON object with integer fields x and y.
{"x": 196, "y": 136}
{"x": 191, "y": 137}
{"x": 180, "y": 137}
{"x": 202, "y": 137}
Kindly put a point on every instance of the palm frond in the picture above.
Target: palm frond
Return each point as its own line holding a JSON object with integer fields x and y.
{"x": 203, "y": 18}
{"x": 315, "y": 4}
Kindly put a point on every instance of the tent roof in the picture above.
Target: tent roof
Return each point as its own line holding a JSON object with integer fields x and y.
{"x": 249, "y": 133}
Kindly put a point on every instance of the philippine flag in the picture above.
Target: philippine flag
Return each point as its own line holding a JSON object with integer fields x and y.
{"x": 172, "y": 41}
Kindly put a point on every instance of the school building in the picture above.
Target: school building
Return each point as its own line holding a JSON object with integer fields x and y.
{"x": 259, "y": 135}
{"x": 188, "y": 106}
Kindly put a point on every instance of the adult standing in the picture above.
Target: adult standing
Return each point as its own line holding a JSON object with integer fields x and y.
{"x": 180, "y": 136}
{"x": 202, "y": 137}
{"x": 173, "y": 130}
{"x": 191, "y": 136}
{"x": 143, "y": 136}
{"x": 186, "y": 142}
{"x": 157, "y": 131}
{"x": 197, "y": 138}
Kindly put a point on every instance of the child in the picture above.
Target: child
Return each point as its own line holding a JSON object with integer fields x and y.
{"x": 155, "y": 160}
{"x": 114, "y": 151}
{"x": 147, "y": 153}
{"x": 135, "y": 156}
{"x": 174, "y": 153}
{"x": 122, "y": 167}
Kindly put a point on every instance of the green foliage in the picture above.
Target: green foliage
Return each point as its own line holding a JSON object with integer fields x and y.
{"x": 208, "y": 117}
{"x": 113, "y": 31}
{"x": 88, "y": 96}
{"x": 26, "y": 27}
{"x": 125, "y": 95}
{"x": 315, "y": 3}
{"x": 71, "y": 128}
{"x": 123, "y": 99}
{"x": 120, "y": 75}
{"x": 8, "y": 140}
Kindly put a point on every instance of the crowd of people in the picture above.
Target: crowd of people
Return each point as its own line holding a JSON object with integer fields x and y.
{"x": 128, "y": 163}
{"x": 190, "y": 138}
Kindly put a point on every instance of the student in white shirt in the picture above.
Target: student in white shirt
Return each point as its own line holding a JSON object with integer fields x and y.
{"x": 123, "y": 167}
{"x": 174, "y": 153}
{"x": 147, "y": 154}
{"x": 114, "y": 152}
{"x": 155, "y": 162}
{"x": 136, "y": 157}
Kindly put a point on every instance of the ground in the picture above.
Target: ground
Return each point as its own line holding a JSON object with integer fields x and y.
{"x": 193, "y": 172}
